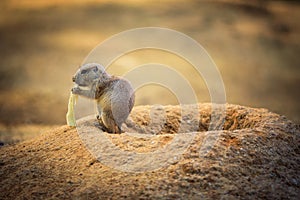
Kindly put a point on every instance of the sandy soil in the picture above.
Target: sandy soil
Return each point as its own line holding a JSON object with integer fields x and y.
{"x": 257, "y": 155}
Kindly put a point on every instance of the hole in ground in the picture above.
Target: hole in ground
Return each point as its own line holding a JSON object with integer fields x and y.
{"x": 169, "y": 120}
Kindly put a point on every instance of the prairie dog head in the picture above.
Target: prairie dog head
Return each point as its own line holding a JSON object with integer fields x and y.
{"x": 90, "y": 73}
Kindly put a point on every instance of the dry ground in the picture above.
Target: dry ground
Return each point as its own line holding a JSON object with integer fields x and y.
{"x": 256, "y": 156}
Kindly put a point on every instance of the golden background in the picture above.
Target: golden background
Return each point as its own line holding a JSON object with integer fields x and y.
{"x": 255, "y": 45}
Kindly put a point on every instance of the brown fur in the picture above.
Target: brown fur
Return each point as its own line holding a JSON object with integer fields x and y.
{"x": 114, "y": 95}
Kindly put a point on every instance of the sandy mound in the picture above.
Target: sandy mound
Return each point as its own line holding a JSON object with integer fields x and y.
{"x": 257, "y": 155}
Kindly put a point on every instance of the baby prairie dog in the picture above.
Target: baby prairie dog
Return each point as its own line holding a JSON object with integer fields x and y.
{"x": 114, "y": 95}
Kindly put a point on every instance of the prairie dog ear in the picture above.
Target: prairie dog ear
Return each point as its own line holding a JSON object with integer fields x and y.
{"x": 96, "y": 69}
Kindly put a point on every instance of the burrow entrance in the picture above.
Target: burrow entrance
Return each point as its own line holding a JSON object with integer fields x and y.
{"x": 159, "y": 120}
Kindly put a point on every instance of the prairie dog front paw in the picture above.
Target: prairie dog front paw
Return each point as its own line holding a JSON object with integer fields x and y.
{"x": 76, "y": 90}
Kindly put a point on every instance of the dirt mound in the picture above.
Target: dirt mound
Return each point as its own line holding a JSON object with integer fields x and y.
{"x": 257, "y": 155}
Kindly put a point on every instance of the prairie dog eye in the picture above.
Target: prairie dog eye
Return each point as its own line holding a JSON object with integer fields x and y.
{"x": 84, "y": 71}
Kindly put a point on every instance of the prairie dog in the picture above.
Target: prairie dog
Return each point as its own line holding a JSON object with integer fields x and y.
{"x": 114, "y": 95}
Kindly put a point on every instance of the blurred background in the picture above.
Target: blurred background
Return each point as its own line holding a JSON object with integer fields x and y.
{"x": 255, "y": 45}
